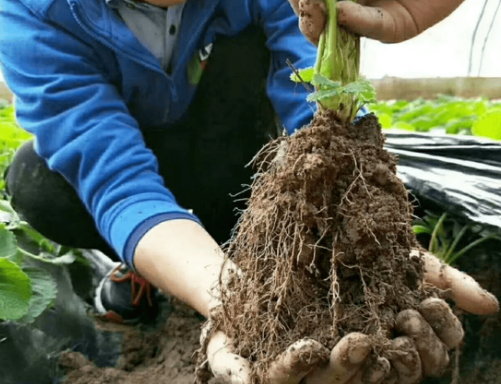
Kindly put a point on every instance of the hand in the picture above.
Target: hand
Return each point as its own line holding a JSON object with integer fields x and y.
{"x": 423, "y": 350}
{"x": 389, "y": 21}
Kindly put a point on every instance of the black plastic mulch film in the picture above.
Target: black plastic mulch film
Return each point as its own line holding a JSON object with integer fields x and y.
{"x": 460, "y": 174}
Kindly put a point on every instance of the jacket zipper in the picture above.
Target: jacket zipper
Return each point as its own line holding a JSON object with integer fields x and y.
{"x": 106, "y": 43}
{"x": 193, "y": 41}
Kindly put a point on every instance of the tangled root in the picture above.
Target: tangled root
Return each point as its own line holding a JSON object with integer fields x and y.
{"x": 324, "y": 245}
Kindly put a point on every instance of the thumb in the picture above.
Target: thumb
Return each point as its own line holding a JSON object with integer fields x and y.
{"x": 394, "y": 21}
{"x": 227, "y": 367}
{"x": 390, "y": 23}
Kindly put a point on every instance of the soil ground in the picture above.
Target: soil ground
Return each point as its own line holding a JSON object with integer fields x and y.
{"x": 167, "y": 355}
{"x": 163, "y": 355}
{"x": 480, "y": 361}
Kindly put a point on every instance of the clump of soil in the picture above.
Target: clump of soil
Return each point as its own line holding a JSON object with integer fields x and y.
{"x": 323, "y": 246}
{"x": 163, "y": 356}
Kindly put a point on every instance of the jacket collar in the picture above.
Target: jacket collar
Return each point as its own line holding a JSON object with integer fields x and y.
{"x": 99, "y": 20}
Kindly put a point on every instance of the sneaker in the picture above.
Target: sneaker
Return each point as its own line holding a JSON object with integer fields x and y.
{"x": 124, "y": 297}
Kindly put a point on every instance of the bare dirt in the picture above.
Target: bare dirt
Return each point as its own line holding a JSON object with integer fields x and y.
{"x": 324, "y": 244}
{"x": 480, "y": 359}
{"x": 165, "y": 355}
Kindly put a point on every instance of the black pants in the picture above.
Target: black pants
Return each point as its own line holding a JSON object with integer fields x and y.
{"x": 202, "y": 160}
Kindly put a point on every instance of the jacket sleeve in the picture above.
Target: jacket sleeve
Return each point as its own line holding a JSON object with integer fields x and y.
{"x": 82, "y": 127}
{"x": 286, "y": 41}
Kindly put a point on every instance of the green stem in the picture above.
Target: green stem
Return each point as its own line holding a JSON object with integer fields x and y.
{"x": 32, "y": 256}
{"x": 433, "y": 245}
{"x": 470, "y": 246}
{"x": 455, "y": 243}
{"x": 338, "y": 59}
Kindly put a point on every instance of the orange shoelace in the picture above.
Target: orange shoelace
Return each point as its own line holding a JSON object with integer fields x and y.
{"x": 145, "y": 287}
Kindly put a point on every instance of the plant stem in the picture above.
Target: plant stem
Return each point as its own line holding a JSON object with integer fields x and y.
{"x": 470, "y": 246}
{"x": 338, "y": 59}
{"x": 433, "y": 242}
{"x": 65, "y": 259}
{"x": 455, "y": 243}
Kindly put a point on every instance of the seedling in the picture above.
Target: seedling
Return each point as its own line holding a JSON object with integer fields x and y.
{"x": 25, "y": 291}
{"x": 323, "y": 246}
{"x": 335, "y": 76}
{"x": 446, "y": 234}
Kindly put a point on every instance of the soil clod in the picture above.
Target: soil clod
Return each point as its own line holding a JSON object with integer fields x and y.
{"x": 324, "y": 245}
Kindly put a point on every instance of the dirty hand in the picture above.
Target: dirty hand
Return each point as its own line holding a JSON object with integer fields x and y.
{"x": 422, "y": 350}
{"x": 389, "y": 21}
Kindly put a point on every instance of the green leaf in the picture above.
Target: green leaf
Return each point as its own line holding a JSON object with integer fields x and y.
{"x": 489, "y": 125}
{"x": 362, "y": 89}
{"x": 305, "y": 75}
{"x": 385, "y": 120}
{"x": 405, "y": 126}
{"x": 8, "y": 242}
{"x": 6, "y": 207}
{"x": 37, "y": 237}
{"x": 324, "y": 82}
{"x": 15, "y": 291}
{"x": 324, "y": 94}
{"x": 44, "y": 290}
{"x": 418, "y": 229}
{"x": 17, "y": 258}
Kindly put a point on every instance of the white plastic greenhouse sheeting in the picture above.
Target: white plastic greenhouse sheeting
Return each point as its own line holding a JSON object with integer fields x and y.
{"x": 442, "y": 51}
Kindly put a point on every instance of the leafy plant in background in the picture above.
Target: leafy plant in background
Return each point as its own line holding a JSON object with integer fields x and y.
{"x": 26, "y": 290}
{"x": 11, "y": 137}
{"x": 446, "y": 235}
{"x": 489, "y": 125}
{"x": 447, "y": 114}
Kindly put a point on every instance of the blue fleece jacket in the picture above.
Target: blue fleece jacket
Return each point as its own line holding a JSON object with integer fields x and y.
{"x": 86, "y": 87}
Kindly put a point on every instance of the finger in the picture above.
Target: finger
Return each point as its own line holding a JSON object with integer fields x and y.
{"x": 364, "y": 21}
{"x": 440, "y": 317}
{"x": 405, "y": 361}
{"x": 375, "y": 372}
{"x": 393, "y": 21}
{"x": 227, "y": 367}
{"x": 312, "y": 19}
{"x": 347, "y": 357}
{"x": 297, "y": 361}
{"x": 465, "y": 291}
{"x": 392, "y": 377}
{"x": 432, "y": 352}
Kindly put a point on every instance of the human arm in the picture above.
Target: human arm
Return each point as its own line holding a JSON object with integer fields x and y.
{"x": 83, "y": 128}
{"x": 286, "y": 43}
{"x": 389, "y": 21}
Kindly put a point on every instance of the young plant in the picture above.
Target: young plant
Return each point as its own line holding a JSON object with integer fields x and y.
{"x": 11, "y": 137}
{"x": 25, "y": 289}
{"x": 336, "y": 73}
{"x": 445, "y": 236}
